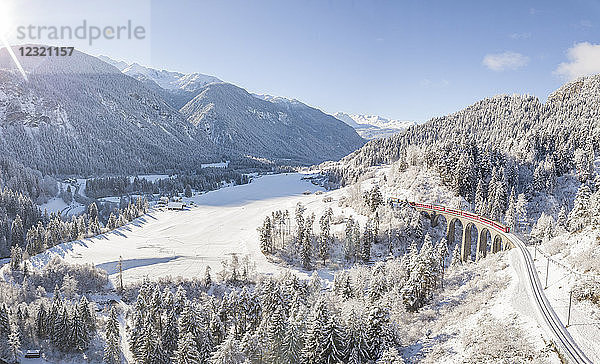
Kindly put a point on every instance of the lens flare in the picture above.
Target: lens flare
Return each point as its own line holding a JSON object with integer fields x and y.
{"x": 6, "y": 14}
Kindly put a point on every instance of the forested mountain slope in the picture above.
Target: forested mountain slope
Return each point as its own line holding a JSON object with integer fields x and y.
{"x": 275, "y": 128}
{"x": 79, "y": 115}
{"x": 175, "y": 87}
{"x": 519, "y": 126}
{"x": 512, "y": 158}
{"x": 257, "y": 125}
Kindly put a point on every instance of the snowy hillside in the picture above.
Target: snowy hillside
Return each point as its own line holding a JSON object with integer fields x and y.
{"x": 71, "y": 115}
{"x": 277, "y": 129}
{"x": 373, "y": 126}
{"x": 262, "y": 126}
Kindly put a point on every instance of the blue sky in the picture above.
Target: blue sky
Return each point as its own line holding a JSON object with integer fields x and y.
{"x": 408, "y": 60}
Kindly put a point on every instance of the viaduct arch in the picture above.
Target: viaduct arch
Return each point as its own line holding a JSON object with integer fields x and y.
{"x": 490, "y": 236}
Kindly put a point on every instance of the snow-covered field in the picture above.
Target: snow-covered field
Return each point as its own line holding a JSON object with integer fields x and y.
{"x": 163, "y": 243}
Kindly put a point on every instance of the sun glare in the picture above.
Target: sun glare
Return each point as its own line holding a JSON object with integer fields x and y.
{"x": 5, "y": 16}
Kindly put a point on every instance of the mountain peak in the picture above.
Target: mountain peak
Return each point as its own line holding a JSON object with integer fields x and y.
{"x": 168, "y": 80}
{"x": 373, "y": 126}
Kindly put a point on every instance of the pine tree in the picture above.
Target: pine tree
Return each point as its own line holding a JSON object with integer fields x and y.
{"x": 112, "y": 350}
{"x": 4, "y": 321}
{"x": 186, "y": 350}
{"x": 511, "y": 211}
{"x": 456, "y": 258}
{"x": 359, "y": 345}
{"x": 16, "y": 258}
{"x": 349, "y": 239}
{"x": 228, "y": 352}
{"x": 347, "y": 291}
{"x": 481, "y": 198}
{"x": 313, "y": 346}
{"x": 333, "y": 341}
{"x": 306, "y": 250}
{"x": 325, "y": 237}
{"x": 170, "y": 334}
{"x": 93, "y": 211}
{"x": 377, "y": 321}
{"x": 79, "y": 337}
{"x": 374, "y": 198}
{"x": 356, "y": 241}
{"x": 580, "y": 216}
{"x": 112, "y": 222}
{"x": 157, "y": 353}
{"x": 266, "y": 236}
{"x": 41, "y": 322}
{"x": 561, "y": 220}
{"x": 292, "y": 342}
{"x": 499, "y": 202}
{"x": 17, "y": 232}
{"x": 14, "y": 345}
{"x": 62, "y": 332}
{"x": 521, "y": 212}
{"x": 442, "y": 254}
{"x": 276, "y": 329}
{"x": 217, "y": 330}
{"x": 367, "y": 241}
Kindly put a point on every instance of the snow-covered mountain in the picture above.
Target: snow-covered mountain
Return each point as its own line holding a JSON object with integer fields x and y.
{"x": 175, "y": 88}
{"x": 80, "y": 115}
{"x": 169, "y": 80}
{"x": 373, "y": 126}
{"x": 258, "y": 125}
{"x": 269, "y": 126}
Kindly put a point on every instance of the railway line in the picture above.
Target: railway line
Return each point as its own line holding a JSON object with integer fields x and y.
{"x": 564, "y": 340}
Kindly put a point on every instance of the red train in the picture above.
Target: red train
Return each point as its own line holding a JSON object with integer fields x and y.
{"x": 466, "y": 214}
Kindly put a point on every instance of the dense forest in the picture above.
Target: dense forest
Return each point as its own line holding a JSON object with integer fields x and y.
{"x": 501, "y": 153}
{"x": 205, "y": 179}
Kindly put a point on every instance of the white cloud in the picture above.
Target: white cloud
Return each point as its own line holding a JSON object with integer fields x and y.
{"x": 584, "y": 59}
{"x": 505, "y": 61}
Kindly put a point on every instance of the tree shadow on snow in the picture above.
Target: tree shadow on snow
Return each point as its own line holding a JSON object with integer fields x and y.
{"x": 113, "y": 267}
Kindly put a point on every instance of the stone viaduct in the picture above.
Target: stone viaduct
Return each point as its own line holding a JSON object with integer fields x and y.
{"x": 490, "y": 235}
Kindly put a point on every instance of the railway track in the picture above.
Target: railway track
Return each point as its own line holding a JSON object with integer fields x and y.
{"x": 568, "y": 345}
{"x": 564, "y": 340}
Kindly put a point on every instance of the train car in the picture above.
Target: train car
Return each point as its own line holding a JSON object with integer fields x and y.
{"x": 501, "y": 227}
{"x": 439, "y": 208}
{"x": 486, "y": 220}
{"x": 453, "y": 211}
{"x": 470, "y": 215}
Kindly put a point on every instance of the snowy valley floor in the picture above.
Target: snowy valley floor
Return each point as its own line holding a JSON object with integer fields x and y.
{"x": 163, "y": 243}
{"x": 483, "y": 314}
